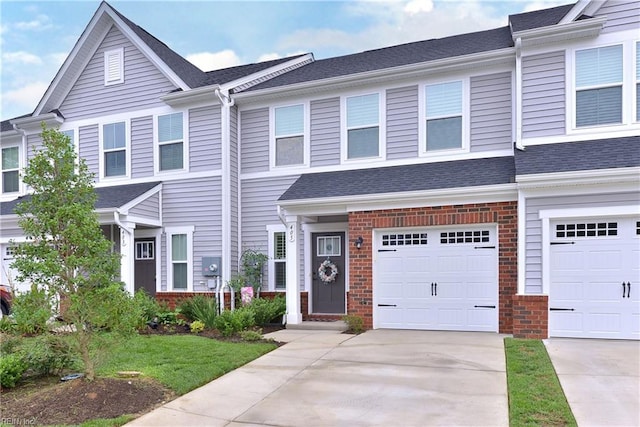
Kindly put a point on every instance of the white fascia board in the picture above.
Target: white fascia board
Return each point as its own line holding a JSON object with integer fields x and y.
{"x": 401, "y": 200}
{"x": 34, "y": 123}
{"x": 560, "y": 33}
{"x": 266, "y": 72}
{"x": 482, "y": 59}
{"x": 201, "y": 95}
{"x": 124, "y": 209}
{"x": 582, "y": 7}
{"x": 588, "y": 177}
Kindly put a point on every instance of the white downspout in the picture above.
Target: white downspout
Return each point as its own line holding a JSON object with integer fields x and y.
{"x": 126, "y": 252}
{"x": 225, "y": 129}
{"x": 518, "y": 115}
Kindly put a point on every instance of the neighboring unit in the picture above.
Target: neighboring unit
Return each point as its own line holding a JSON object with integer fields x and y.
{"x": 480, "y": 182}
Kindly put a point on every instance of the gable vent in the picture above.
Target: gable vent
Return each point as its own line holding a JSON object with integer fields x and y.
{"x": 114, "y": 66}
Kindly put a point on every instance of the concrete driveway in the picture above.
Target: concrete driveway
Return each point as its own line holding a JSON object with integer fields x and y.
{"x": 379, "y": 378}
{"x": 600, "y": 378}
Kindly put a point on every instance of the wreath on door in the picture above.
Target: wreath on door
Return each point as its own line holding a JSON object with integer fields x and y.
{"x": 327, "y": 271}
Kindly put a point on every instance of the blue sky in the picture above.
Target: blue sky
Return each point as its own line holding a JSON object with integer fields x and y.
{"x": 37, "y": 36}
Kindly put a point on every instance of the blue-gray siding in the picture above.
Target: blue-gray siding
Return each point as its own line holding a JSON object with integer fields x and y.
{"x": 141, "y": 147}
{"x": 533, "y": 243}
{"x": 491, "y": 111}
{"x": 149, "y": 208}
{"x": 402, "y": 122}
{"x": 543, "y": 95}
{"x": 143, "y": 83}
{"x": 325, "y": 132}
{"x": 90, "y": 148}
{"x": 621, "y": 15}
{"x": 204, "y": 139}
{"x": 193, "y": 202}
{"x": 254, "y": 134}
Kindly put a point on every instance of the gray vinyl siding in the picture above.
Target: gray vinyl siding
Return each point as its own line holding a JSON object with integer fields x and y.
{"x": 235, "y": 188}
{"x": 621, "y": 15}
{"x": 193, "y": 202}
{"x": 491, "y": 111}
{"x": 254, "y": 134}
{"x": 533, "y": 243}
{"x": 149, "y": 208}
{"x": 90, "y": 147}
{"x": 259, "y": 199}
{"x": 325, "y": 132}
{"x": 543, "y": 95}
{"x": 402, "y": 122}
{"x": 142, "y": 147}
{"x": 34, "y": 142}
{"x": 204, "y": 139}
{"x": 143, "y": 83}
{"x": 12, "y": 232}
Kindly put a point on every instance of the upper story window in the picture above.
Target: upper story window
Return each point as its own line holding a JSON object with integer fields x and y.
{"x": 10, "y": 169}
{"x": 114, "y": 149}
{"x": 114, "y": 66}
{"x": 363, "y": 126}
{"x": 598, "y": 81}
{"x": 170, "y": 142}
{"x": 289, "y": 149}
{"x": 444, "y": 116}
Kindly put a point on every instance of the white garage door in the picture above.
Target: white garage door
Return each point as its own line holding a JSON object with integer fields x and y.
{"x": 7, "y": 274}
{"x": 595, "y": 278}
{"x": 437, "y": 279}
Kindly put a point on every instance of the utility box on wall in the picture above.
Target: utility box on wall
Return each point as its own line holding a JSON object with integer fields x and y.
{"x": 211, "y": 266}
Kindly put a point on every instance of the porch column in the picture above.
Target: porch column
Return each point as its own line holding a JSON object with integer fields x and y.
{"x": 294, "y": 315}
{"x": 127, "y": 253}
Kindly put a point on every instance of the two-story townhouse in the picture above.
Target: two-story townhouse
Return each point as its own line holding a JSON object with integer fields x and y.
{"x": 480, "y": 182}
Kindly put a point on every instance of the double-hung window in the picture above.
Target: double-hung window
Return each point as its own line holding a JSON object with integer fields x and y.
{"x": 638, "y": 81}
{"x": 179, "y": 257}
{"x": 280, "y": 260}
{"x": 289, "y": 135}
{"x": 598, "y": 81}
{"x": 10, "y": 169}
{"x": 363, "y": 126}
{"x": 114, "y": 149}
{"x": 443, "y": 116}
{"x": 171, "y": 142}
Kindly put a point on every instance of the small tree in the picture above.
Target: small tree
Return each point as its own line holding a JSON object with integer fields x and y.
{"x": 66, "y": 254}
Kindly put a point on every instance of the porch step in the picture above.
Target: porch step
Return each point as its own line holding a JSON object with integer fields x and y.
{"x": 337, "y": 325}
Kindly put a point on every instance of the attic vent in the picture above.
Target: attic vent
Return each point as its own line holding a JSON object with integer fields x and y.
{"x": 114, "y": 66}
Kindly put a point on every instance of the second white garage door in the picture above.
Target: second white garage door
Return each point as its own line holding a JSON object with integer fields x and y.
{"x": 436, "y": 279}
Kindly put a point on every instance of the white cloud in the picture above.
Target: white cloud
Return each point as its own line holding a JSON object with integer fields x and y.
{"x": 24, "y": 98}
{"x": 418, "y": 6}
{"x": 208, "y": 61}
{"x": 542, "y": 4}
{"x": 21, "y": 57}
{"x": 56, "y": 59}
{"x": 268, "y": 57}
{"x": 41, "y": 22}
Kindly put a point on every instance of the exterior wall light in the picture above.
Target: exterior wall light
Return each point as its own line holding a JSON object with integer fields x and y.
{"x": 359, "y": 242}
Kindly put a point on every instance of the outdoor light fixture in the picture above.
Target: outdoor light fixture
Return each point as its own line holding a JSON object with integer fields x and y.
{"x": 359, "y": 242}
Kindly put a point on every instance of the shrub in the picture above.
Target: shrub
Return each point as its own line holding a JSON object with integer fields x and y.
{"x": 355, "y": 324}
{"x": 48, "y": 355}
{"x": 197, "y": 326}
{"x": 7, "y": 325}
{"x": 232, "y": 322}
{"x": 31, "y": 311}
{"x": 148, "y": 305}
{"x": 268, "y": 310}
{"x": 9, "y": 343}
{"x": 251, "y": 335}
{"x": 11, "y": 369}
{"x": 200, "y": 308}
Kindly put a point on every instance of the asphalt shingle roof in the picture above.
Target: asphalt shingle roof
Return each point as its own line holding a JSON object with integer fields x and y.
{"x": 394, "y": 179}
{"x": 576, "y": 156}
{"x": 108, "y": 197}
{"x": 538, "y": 18}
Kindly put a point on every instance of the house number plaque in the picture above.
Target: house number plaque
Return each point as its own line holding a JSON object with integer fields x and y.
{"x": 292, "y": 232}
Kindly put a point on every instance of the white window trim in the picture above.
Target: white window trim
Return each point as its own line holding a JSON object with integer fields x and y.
{"x": 101, "y": 165}
{"x": 120, "y": 56}
{"x": 19, "y": 169}
{"x": 185, "y": 144}
{"x": 382, "y": 128}
{"x": 629, "y": 122}
{"x": 271, "y": 231}
{"x": 306, "y": 138}
{"x": 466, "y": 119}
{"x": 170, "y": 231}
{"x": 635, "y": 74}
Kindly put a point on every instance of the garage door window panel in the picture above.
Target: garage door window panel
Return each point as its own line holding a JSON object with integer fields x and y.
{"x": 586, "y": 229}
{"x": 411, "y": 239}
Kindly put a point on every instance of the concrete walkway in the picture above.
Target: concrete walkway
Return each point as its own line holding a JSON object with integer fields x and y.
{"x": 600, "y": 378}
{"x": 379, "y": 378}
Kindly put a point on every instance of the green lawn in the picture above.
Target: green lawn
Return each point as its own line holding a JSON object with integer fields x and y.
{"x": 180, "y": 362}
{"x": 535, "y": 395}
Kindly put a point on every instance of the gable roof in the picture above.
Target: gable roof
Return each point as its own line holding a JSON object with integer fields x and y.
{"x": 576, "y": 156}
{"x": 395, "y": 179}
{"x": 108, "y": 197}
{"x": 538, "y": 18}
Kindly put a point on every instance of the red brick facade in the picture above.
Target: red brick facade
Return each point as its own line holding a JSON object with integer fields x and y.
{"x": 504, "y": 214}
{"x": 530, "y": 316}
